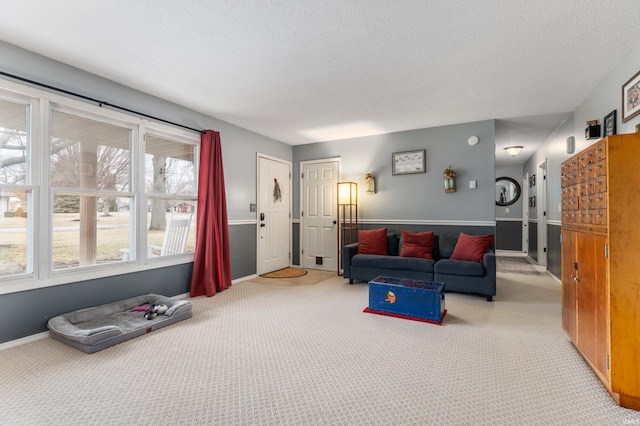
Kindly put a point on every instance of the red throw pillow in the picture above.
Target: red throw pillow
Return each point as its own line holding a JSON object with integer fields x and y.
{"x": 418, "y": 244}
{"x": 471, "y": 247}
{"x": 372, "y": 241}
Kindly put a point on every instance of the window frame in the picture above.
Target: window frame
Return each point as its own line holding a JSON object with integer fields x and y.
{"x": 41, "y": 224}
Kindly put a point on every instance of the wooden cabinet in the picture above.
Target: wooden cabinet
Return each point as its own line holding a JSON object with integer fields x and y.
{"x": 600, "y": 189}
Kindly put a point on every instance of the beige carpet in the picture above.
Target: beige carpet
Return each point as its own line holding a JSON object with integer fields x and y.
{"x": 307, "y": 355}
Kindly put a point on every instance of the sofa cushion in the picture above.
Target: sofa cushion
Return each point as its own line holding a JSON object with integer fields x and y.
{"x": 373, "y": 241}
{"x": 471, "y": 247}
{"x": 459, "y": 267}
{"x": 444, "y": 245}
{"x": 392, "y": 262}
{"x": 417, "y": 244}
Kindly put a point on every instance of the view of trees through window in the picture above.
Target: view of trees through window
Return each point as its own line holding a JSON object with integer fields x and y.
{"x": 15, "y": 194}
{"x": 96, "y": 207}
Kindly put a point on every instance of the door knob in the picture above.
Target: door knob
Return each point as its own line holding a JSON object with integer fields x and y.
{"x": 262, "y": 225}
{"x": 335, "y": 221}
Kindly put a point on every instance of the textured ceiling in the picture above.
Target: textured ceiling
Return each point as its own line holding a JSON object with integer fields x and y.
{"x": 317, "y": 70}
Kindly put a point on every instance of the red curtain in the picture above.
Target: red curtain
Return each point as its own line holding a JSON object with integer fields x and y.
{"x": 212, "y": 259}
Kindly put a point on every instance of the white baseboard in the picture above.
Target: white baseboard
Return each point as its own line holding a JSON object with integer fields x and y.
{"x": 248, "y": 277}
{"x": 512, "y": 253}
{"x": 24, "y": 340}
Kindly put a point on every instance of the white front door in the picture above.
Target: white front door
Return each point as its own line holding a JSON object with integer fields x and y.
{"x": 274, "y": 214}
{"x": 318, "y": 229}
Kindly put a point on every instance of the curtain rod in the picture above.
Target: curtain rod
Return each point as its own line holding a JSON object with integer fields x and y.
{"x": 97, "y": 101}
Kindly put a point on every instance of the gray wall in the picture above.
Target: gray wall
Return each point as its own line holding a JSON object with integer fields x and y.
{"x": 509, "y": 218}
{"x": 606, "y": 97}
{"x": 27, "y": 311}
{"x": 415, "y": 196}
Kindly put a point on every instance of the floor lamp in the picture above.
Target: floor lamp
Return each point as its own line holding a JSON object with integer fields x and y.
{"x": 347, "y": 217}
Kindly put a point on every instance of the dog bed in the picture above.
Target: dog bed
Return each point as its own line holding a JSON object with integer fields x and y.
{"x": 96, "y": 328}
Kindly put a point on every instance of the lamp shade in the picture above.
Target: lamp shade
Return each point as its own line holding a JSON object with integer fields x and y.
{"x": 513, "y": 150}
{"x": 348, "y": 193}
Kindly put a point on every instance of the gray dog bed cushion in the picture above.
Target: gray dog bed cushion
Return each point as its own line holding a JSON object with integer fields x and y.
{"x": 96, "y": 328}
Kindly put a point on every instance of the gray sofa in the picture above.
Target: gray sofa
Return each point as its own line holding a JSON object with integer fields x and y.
{"x": 96, "y": 328}
{"x": 458, "y": 275}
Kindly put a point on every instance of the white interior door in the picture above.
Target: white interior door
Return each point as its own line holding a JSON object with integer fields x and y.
{"x": 525, "y": 213}
{"x": 274, "y": 214}
{"x": 318, "y": 229}
{"x": 541, "y": 205}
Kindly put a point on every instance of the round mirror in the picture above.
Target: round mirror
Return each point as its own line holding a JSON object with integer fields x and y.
{"x": 507, "y": 191}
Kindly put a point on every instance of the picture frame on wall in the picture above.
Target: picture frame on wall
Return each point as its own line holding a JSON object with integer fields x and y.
{"x": 408, "y": 162}
{"x": 631, "y": 98}
{"x": 610, "y": 123}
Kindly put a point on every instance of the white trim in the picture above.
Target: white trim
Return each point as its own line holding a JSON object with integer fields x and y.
{"x": 554, "y": 222}
{"x": 533, "y": 220}
{"x": 295, "y": 221}
{"x": 510, "y": 253}
{"x": 17, "y": 285}
{"x": 248, "y": 277}
{"x": 428, "y": 222}
{"x": 24, "y": 340}
{"x": 553, "y": 277}
{"x": 508, "y": 219}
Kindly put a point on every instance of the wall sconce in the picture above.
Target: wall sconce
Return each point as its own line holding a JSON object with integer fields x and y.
{"x": 449, "y": 176}
{"x": 370, "y": 182}
{"x": 513, "y": 150}
{"x": 473, "y": 140}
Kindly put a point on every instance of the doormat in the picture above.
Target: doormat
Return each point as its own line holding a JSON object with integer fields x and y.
{"x": 285, "y": 273}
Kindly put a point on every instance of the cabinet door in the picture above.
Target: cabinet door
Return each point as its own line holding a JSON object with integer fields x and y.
{"x": 591, "y": 296}
{"x": 568, "y": 263}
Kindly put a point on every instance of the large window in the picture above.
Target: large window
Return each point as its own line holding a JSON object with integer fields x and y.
{"x": 90, "y": 172}
{"x": 15, "y": 192}
{"x": 82, "y": 189}
{"x": 171, "y": 192}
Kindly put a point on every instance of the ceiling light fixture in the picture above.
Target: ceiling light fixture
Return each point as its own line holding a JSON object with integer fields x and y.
{"x": 513, "y": 150}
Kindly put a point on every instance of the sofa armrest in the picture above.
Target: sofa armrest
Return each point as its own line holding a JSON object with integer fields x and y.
{"x": 489, "y": 260}
{"x": 348, "y": 252}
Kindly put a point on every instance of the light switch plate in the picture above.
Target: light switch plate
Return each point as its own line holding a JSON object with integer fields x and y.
{"x": 472, "y": 184}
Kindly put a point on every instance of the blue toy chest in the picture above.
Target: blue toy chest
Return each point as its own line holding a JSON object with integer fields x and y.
{"x": 413, "y": 299}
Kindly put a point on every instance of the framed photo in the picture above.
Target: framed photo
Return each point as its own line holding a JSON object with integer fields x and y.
{"x": 610, "y": 123}
{"x": 631, "y": 98}
{"x": 407, "y": 162}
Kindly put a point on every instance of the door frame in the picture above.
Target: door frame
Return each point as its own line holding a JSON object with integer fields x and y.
{"x": 259, "y": 156}
{"x": 525, "y": 213}
{"x": 541, "y": 204}
{"x": 301, "y": 200}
